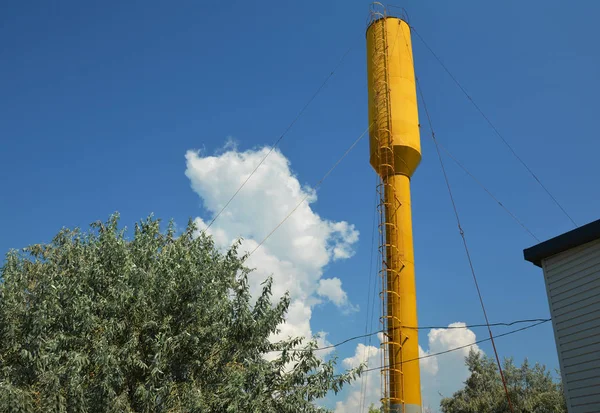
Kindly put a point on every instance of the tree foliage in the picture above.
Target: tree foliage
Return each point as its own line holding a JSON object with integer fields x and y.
{"x": 373, "y": 409}
{"x": 531, "y": 389}
{"x": 96, "y": 322}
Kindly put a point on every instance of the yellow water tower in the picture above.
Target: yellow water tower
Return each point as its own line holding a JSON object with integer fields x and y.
{"x": 395, "y": 153}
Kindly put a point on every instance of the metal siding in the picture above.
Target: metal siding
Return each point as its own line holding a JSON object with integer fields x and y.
{"x": 581, "y": 359}
{"x": 576, "y": 358}
{"x": 582, "y": 375}
{"x": 582, "y": 328}
{"x": 577, "y": 313}
{"x": 573, "y": 287}
{"x": 587, "y": 289}
{"x": 585, "y": 260}
{"x": 572, "y": 345}
{"x": 576, "y": 277}
{"x": 574, "y": 369}
{"x": 579, "y": 305}
{"x": 577, "y": 335}
{"x": 586, "y": 408}
{"x": 581, "y": 386}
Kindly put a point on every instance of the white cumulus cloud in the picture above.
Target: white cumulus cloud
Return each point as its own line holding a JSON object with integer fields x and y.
{"x": 367, "y": 389}
{"x": 445, "y": 374}
{"x": 295, "y": 255}
{"x": 440, "y": 375}
{"x": 331, "y": 288}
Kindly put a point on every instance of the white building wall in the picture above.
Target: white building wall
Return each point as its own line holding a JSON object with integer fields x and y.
{"x": 573, "y": 285}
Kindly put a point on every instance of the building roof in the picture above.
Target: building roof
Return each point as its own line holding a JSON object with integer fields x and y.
{"x": 578, "y": 236}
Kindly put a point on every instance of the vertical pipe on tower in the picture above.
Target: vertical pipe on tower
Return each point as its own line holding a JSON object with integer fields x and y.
{"x": 395, "y": 154}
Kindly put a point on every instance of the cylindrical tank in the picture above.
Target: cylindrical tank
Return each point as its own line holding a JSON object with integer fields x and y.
{"x": 395, "y": 153}
{"x": 393, "y": 70}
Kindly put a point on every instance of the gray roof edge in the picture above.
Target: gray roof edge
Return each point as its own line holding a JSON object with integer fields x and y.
{"x": 574, "y": 238}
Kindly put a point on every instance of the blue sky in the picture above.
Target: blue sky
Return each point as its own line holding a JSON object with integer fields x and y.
{"x": 101, "y": 101}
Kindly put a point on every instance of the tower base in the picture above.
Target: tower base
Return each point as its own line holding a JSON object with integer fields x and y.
{"x": 408, "y": 408}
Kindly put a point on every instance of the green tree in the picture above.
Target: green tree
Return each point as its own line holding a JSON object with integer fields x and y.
{"x": 96, "y": 322}
{"x": 531, "y": 389}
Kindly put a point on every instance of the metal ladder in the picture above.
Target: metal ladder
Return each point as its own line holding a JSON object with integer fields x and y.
{"x": 388, "y": 205}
